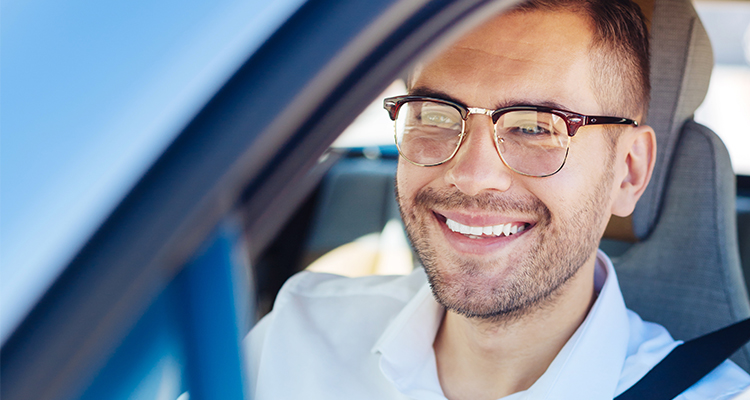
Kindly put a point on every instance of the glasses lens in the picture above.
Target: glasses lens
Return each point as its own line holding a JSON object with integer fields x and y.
{"x": 428, "y": 132}
{"x": 532, "y": 142}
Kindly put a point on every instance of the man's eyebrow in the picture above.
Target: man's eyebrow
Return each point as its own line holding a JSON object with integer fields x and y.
{"x": 544, "y": 103}
{"x": 427, "y": 92}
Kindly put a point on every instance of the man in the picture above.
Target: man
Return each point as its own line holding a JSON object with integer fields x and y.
{"x": 518, "y": 143}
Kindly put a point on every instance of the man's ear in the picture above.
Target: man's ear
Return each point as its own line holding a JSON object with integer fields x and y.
{"x": 636, "y": 156}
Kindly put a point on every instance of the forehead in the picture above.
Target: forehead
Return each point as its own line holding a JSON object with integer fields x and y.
{"x": 535, "y": 57}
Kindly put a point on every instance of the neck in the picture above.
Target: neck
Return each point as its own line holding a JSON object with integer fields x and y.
{"x": 481, "y": 359}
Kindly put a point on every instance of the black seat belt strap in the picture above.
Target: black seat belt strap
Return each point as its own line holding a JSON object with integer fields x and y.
{"x": 688, "y": 363}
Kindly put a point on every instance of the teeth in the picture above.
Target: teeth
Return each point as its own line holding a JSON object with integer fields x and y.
{"x": 497, "y": 230}
{"x": 475, "y": 232}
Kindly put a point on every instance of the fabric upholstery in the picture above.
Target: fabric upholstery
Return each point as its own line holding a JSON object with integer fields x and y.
{"x": 357, "y": 198}
{"x": 687, "y": 275}
{"x": 681, "y": 64}
{"x": 685, "y": 272}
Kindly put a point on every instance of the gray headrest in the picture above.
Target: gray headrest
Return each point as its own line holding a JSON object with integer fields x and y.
{"x": 681, "y": 63}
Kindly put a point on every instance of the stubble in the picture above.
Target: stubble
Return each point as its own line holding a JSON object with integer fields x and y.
{"x": 510, "y": 288}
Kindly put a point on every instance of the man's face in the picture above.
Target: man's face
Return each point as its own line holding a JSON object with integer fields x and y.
{"x": 535, "y": 58}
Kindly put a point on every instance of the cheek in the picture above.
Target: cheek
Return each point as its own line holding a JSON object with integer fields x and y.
{"x": 589, "y": 159}
{"x": 402, "y": 184}
{"x": 575, "y": 189}
{"x": 411, "y": 178}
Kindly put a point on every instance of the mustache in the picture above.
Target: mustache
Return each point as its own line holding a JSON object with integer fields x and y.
{"x": 499, "y": 203}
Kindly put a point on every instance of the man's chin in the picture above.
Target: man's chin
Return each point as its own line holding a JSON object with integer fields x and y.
{"x": 479, "y": 292}
{"x": 483, "y": 307}
{"x": 501, "y": 291}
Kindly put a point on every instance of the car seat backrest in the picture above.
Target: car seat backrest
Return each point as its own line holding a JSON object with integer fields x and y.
{"x": 357, "y": 198}
{"x": 684, "y": 270}
{"x": 681, "y": 64}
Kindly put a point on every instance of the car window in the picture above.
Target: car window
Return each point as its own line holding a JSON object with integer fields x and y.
{"x": 384, "y": 251}
{"x": 115, "y": 83}
{"x": 728, "y": 98}
{"x": 372, "y": 127}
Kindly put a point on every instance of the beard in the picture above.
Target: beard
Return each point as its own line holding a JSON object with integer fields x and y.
{"x": 512, "y": 286}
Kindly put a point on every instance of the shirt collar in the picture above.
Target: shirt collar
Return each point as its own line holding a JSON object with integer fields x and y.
{"x": 588, "y": 366}
{"x": 407, "y": 358}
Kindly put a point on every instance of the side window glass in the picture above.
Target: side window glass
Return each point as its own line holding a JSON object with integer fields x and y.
{"x": 372, "y": 128}
{"x": 728, "y": 98}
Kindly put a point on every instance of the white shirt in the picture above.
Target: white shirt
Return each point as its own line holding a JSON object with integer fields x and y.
{"x": 331, "y": 337}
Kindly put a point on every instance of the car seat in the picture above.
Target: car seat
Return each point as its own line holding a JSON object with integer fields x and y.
{"x": 683, "y": 271}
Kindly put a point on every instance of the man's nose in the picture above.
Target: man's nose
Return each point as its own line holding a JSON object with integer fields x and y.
{"x": 477, "y": 165}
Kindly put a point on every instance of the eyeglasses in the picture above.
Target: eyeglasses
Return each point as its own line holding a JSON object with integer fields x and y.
{"x": 531, "y": 140}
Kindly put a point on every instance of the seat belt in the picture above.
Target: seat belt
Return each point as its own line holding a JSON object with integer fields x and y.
{"x": 687, "y": 363}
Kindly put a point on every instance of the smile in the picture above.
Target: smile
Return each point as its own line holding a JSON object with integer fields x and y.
{"x": 476, "y": 232}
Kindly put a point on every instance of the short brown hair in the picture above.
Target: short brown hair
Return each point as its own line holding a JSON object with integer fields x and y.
{"x": 620, "y": 52}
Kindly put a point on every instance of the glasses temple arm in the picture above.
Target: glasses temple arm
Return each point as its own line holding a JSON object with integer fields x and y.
{"x": 601, "y": 120}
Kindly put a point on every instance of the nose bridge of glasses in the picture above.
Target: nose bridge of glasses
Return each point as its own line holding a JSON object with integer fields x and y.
{"x": 479, "y": 110}
{"x": 479, "y": 140}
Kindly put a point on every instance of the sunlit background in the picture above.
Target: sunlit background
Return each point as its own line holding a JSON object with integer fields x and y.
{"x": 726, "y": 108}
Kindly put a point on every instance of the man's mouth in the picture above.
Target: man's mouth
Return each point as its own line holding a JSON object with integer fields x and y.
{"x": 479, "y": 232}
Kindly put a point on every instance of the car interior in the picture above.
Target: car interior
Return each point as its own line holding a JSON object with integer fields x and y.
{"x": 683, "y": 272}
{"x": 231, "y": 215}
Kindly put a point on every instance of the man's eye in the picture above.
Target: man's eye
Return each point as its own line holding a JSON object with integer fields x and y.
{"x": 439, "y": 119}
{"x": 532, "y": 130}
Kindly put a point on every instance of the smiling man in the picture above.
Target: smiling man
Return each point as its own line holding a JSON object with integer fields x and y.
{"x": 517, "y": 143}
